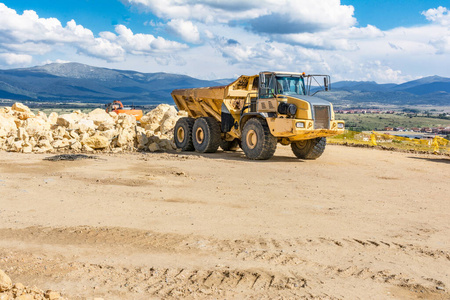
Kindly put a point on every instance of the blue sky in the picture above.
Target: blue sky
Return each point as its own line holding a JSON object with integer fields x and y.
{"x": 383, "y": 41}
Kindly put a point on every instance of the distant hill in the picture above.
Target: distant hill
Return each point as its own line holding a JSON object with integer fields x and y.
{"x": 74, "y": 82}
{"x": 433, "y": 90}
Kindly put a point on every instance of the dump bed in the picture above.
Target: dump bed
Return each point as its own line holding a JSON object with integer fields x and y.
{"x": 207, "y": 102}
{"x": 200, "y": 102}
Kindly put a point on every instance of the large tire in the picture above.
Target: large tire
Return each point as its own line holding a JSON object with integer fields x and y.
{"x": 206, "y": 135}
{"x": 229, "y": 145}
{"x": 309, "y": 149}
{"x": 183, "y": 134}
{"x": 257, "y": 141}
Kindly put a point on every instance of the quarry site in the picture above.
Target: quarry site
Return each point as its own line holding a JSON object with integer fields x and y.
{"x": 96, "y": 206}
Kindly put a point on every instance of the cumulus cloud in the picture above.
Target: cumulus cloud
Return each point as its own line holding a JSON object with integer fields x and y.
{"x": 442, "y": 45}
{"x": 142, "y": 44}
{"x": 15, "y": 59}
{"x": 208, "y": 11}
{"x": 29, "y": 34}
{"x": 184, "y": 29}
{"x": 440, "y": 15}
{"x": 268, "y": 16}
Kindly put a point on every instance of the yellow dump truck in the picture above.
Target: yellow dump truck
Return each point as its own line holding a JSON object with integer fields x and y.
{"x": 257, "y": 112}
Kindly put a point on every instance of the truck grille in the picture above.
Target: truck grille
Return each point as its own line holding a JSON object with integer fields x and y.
{"x": 321, "y": 117}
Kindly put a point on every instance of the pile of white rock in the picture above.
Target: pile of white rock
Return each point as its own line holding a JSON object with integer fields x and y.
{"x": 21, "y": 130}
{"x": 10, "y": 291}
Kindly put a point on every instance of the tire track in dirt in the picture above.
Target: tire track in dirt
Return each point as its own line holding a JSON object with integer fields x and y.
{"x": 278, "y": 251}
{"x": 170, "y": 282}
{"x": 142, "y": 282}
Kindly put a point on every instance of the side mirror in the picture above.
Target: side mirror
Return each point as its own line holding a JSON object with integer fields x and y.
{"x": 326, "y": 83}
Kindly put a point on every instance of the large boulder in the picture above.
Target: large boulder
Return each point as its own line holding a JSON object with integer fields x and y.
{"x": 126, "y": 138}
{"x": 52, "y": 118}
{"x": 84, "y": 125}
{"x": 5, "y": 282}
{"x": 66, "y": 120}
{"x": 7, "y": 126}
{"x": 100, "y": 116}
{"x": 96, "y": 142}
{"x": 19, "y": 107}
{"x": 23, "y": 112}
{"x": 156, "y": 115}
{"x": 126, "y": 121}
{"x": 36, "y": 126}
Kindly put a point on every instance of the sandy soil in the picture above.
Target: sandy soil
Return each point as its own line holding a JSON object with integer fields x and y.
{"x": 356, "y": 223}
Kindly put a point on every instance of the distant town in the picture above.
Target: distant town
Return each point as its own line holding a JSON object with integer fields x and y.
{"x": 407, "y": 113}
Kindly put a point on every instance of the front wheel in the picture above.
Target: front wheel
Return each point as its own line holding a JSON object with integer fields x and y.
{"x": 309, "y": 149}
{"x": 257, "y": 141}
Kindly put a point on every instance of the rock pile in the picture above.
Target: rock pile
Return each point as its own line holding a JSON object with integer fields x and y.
{"x": 10, "y": 291}
{"x": 23, "y": 131}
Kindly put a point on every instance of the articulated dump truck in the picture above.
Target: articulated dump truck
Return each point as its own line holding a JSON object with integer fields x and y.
{"x": 256, "y": 113}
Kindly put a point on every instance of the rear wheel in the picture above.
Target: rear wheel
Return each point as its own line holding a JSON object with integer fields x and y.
{"x": 206, "y": 135}
{"x": 229, "y": 145}
{"x": 309, "y": 149}
{"x": 257, "y": 141}
{"x": 183, "y": 134}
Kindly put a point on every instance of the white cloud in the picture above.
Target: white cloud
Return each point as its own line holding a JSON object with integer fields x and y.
{"x": 28, "y": 34}
{"x": 142, "y": 44}
{"x": 208, "y": 11}
{"x": 15, "y": 59}
{"x": 440, "y": 15}
{"x": 442, "y": 45}
{"x": 269, "y": 16}
{"x": 184, "y": 29}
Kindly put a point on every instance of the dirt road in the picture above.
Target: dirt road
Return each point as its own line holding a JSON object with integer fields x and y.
{"x": 356, "y": 223}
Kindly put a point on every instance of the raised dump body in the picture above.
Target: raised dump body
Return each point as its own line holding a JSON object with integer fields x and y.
{"x": 257, "y": 112}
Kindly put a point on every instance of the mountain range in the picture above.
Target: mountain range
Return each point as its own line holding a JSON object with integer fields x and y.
{"x": 74, "y": 82}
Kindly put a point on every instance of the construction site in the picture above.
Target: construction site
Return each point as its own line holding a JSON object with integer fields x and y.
{"x": 229, "y": 195}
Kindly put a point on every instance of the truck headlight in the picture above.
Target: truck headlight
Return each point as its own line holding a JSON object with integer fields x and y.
{"x": 300, "y": 125}
{"x": 340, "y": 125}
{"x": 287, "y": 108}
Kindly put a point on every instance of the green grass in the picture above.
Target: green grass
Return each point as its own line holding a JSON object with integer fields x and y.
{"x": 367, "y": 122}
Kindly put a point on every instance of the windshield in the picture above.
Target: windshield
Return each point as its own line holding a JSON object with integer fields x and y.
{"x": 290, "y": 85}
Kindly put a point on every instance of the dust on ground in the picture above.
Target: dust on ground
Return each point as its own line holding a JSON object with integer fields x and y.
{"x": 355, "y": 223}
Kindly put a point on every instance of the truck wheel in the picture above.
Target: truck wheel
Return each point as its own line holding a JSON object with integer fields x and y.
{"x": 309, "y": 149}
{"x": 206, "y": 135}
{"x": 229, "y": 145}
{"x": 183, "y": 134}
{"x": 257, "y": 141}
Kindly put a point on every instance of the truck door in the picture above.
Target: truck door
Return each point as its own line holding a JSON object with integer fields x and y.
{"x": 266, "y": 93}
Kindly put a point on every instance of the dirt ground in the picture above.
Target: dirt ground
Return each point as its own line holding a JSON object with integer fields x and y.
{"x": 354, "y": 224}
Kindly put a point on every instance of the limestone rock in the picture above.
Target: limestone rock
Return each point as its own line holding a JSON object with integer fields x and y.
{"x": 20, "y": 107}
{"x": 5, "y": 282}
{"x": 126, "y": 137}
{"x": 7, "y": 126}
{"x": 126, "y": 121}
{"x": 66, "y": 120}
{"x": 25, "y": 297}
{"x": 52, "y": 295}
{"x": 4, "y": 296}
{"x": 156, "y": 115}
{"x": 86, "y": 125}
{"x": 100, "y": 116}
{"x": 36, "y": 126}
{"x": 22, "y": 131}
{"x": 96, "y": 142}
{"x": 52, "y": 118}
